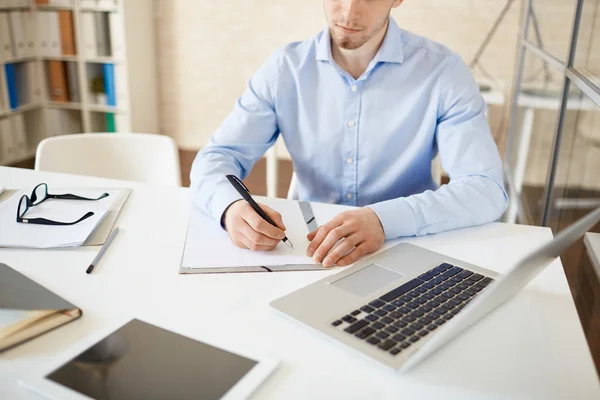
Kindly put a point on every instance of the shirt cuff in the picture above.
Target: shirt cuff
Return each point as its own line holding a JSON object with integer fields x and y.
{"x": 224, "y": 196}
{"x": 397, "y": 218}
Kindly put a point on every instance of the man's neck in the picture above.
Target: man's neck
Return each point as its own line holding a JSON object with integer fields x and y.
{"x": 356, "y": 61}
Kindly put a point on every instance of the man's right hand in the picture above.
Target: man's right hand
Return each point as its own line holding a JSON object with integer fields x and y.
{"x": 249, "y": 230}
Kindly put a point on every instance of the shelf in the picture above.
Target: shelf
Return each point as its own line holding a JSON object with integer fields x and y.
{"x": 19, "y": 59}
{"x": 65, "y": 106}
{"x": 102, "y": 60}
{"x": 29, "y": 154}
{"x": 60, "y": 58}
{"x": 14, "y": 8}
{"x": 26, "y": 107}
{"x": 105, "y": 109}
{"x": 99, "y": 9}
{"x": 50, "y": 7}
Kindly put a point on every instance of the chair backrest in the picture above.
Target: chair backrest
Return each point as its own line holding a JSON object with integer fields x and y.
{"x": 137, "y": 157}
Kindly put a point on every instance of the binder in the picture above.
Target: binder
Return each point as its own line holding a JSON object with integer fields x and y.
{"x": 17, "y": 34}
{"x": 88, "y": 35}
{"x": 110, "y": 122}
{"x": 109, "y": 84}
{"x": 17, "y": 124}
{"x": 6, "y": 50}
{"x": 67, "y": 37}
{"x": 30, "y": 40}
{"x": 10, "y": 70}
{"x": 58, "y": 81}
{"x": 32, "y": 309}
{"x": 73, "y": 82}
{"x": 41, "y": 2}
{"x": 28, "y": 87}
{"x": 117, "y": 42}
{"x": 54, "y": 33}
{"x": 44, "y": 35}
{"x": 102, "y": 32}
{"x": 7, "y": 145}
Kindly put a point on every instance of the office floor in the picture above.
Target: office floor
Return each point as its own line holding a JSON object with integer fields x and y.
{"x": 584, "y": 284}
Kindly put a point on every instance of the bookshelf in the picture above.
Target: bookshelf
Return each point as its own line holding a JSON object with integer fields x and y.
{"x": 63, "y": 70}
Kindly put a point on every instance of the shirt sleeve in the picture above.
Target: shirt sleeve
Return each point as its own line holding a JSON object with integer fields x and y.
{"x": 241, "y": 140}
{"x": 475, "y": 194}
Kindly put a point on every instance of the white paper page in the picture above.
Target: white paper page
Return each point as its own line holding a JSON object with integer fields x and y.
{"x": 209, "y": 246}
{"x": 11, "y": 317}
{"x": 14, "y": 234}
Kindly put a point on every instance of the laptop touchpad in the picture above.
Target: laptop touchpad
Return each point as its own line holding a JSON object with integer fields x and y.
{"x": 367, "y": 280}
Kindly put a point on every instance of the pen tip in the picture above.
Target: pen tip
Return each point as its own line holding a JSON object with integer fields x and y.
{"x": 289, "y": 244}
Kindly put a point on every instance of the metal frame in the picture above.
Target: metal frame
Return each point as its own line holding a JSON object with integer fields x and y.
{"x": 571, "y": 76}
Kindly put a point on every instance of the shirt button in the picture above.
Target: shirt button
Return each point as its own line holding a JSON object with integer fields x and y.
{"x": 354, "y": 88}
{"x": 349, "y": 161}
{"x": 351, "y": 124}
{"x": 349, "y": 196}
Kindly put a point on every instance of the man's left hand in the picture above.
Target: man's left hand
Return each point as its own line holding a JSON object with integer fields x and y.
{"x": 361, "y": 231}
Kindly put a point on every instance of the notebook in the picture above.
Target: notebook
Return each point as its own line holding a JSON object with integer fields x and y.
{"x": 28, "y": 310}
{"x": 208, "y": 248}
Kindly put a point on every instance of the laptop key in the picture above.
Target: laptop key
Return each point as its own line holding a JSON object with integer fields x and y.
{"x": 423, "y": 333}
{"x": 395, "y": 351}
{"x": 417, "y": 313}
{"x": 365, "y": 333}
{"x": 427, "y": 276}
{"x": 475, "y": 277}
{"x": 420, "y": 300}
{"x": 428, "y": 296}
{"x": 382, "y": 335}
{"x": 415, "y": 339}
{"x": 388, "y": 344}
{"x": 470, "y": 292}
{"x": 377, "y": 325}
{"x": 337, "y": 323}
{"x": 431, "y": 327}
{"x": 464, "y": 274}
{"x": 404, "y": 310}
{"x": 462, "y": 286}
{"x": 463, "y": 297}
{"x": 355, "y": 313}
{"x": 408, "y": 318}
{"x": 428, "y": 285}
{"x": 421, "y": 289}
{"x": 406, "y": 298}
{"x": 400, "y": 290}
{"x": 443, "y": 267}
{"x": 412, "y": 305}
{"x": 388, "y": 307}
{"x": 405, "y": 345}
{"x": 387, "y": 320}
{"x": 377, "y": 303}
{"x": 435, "y": 291}
{"x": 391, "y": 329}
{"x": 486, "y": 281}
{"x": 398, "y": 337}
{"x": 356, "y": 326}
{"x": 367, "y": 309}
{"x": 397, "y": 303}
{"x": 373, "y": 340}
{"x": 407, "y": 332}
{"x": 426, "y": 319}
{"x": 349, "y": 319}
{"x": 380, "y": 313}
{"x": 399, "y": 324}
{"x": 396, "y": 315}
{"x": 425, "y": 308}
{"x": 436, "y": 281}
{"x": 371, "y": 317}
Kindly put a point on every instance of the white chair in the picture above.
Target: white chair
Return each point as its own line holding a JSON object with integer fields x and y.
{"x": 137, "y": 157}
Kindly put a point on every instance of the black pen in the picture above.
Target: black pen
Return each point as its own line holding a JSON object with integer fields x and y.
{"x": 245, "y": 193}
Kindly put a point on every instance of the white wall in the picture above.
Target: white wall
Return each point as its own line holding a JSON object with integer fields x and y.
{"x": 142, "y": 59}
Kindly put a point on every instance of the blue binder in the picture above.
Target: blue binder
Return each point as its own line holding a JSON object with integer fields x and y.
{"x": 11, "y": 83}
{"x": 109, "y": 84}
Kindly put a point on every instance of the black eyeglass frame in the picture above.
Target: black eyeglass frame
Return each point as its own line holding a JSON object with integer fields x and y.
{"x": 33, "y": 200}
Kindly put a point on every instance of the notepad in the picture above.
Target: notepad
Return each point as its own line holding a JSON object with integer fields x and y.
{"x": 20, "y": 235}
{"x": 28, "y": 310}
{"x": 209, "y": 247}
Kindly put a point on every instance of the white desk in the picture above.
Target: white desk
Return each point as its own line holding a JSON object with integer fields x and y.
{"x": 532, "y": 348}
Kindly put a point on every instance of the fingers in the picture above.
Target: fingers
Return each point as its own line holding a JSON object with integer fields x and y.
{"x": 261, "y": 226}
{"x": 340, "y": 251}
{"x": 354, "y": 255}
{"x": 274, "y": 215}
{"x": 319, "y": 236}
{"x": 330, "y": 240}
{"x": 311, "y": 235}
{"x": 254, "y": 240}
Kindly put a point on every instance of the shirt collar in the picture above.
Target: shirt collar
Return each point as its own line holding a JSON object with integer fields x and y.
{"x": 391, "y": 49}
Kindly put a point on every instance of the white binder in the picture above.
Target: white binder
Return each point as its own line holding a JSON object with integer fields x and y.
{"x": 54, "y": 33}
{"x": 88, "y": 34}
{"x": 17, "y": 34}
{"x": 117, "y": 37}
{"x": 7, "y": 144}
{"x": 19, "y": 137}
{"x": 29, "y": 33}
{"x": 6, "y": 49}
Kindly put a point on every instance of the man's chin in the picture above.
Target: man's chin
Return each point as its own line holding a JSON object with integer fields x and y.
{"x": 348, "y": 44}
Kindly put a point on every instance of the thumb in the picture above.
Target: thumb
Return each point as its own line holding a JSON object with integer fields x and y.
{"x": 274, "y": 215}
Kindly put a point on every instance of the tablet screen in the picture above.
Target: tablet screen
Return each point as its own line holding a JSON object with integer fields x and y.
{"x": 142, "y": 361}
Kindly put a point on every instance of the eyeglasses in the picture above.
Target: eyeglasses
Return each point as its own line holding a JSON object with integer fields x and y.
{"x": 39, "y": 194}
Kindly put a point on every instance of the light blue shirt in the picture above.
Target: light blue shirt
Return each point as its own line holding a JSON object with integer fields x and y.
{"x": 366, "y": 141}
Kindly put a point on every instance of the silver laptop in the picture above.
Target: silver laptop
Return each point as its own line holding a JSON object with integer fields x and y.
{"x": 401, "y": 305}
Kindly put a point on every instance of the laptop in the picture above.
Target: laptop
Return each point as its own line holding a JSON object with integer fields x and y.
{"x": 402, "y": 305}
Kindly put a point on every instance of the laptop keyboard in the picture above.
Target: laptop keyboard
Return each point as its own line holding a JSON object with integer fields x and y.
{"x": 408, "y": 313}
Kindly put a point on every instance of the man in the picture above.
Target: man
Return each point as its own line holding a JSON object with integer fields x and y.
{"x": 363, "y": 108}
